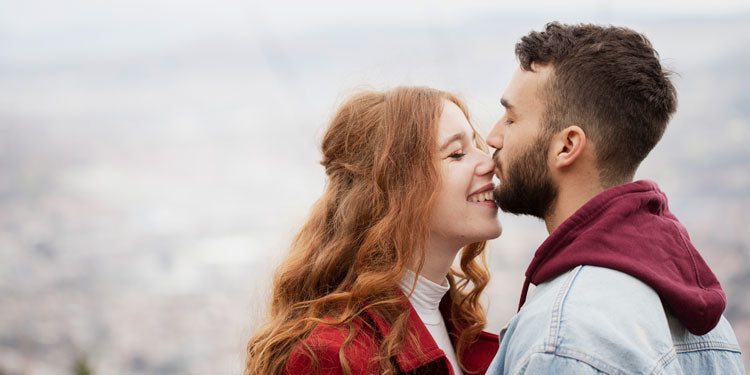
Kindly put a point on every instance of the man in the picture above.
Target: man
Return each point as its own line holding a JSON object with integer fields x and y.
{"x": 619, "y": 287}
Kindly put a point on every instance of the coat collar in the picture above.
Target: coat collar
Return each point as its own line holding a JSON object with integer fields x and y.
{"x": 423, "y": 349}
{"x": 417, "y": 352}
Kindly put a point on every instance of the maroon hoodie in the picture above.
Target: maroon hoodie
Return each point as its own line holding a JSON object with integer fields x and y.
{"x": 629, "y": 228}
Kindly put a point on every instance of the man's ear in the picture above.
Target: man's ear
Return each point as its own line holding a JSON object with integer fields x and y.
{"x": 568, "y": 145}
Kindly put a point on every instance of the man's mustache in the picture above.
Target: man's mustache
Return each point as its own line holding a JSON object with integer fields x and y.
{"x": 496, "y": 159}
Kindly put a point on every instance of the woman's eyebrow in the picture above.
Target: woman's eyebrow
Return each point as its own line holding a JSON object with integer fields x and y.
{"x": 453, "y": 138}
{"x": 456, "y": 137}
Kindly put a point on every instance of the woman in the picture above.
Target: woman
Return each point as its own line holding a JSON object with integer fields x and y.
{"x": 409, "y": 185}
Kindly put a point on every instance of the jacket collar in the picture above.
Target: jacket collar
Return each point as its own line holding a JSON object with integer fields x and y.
{"x": 419, "y": 351}
{"x": 423, "y": 349}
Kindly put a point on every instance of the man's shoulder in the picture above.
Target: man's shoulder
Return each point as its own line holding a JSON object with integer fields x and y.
{"x": 607, "y": 321}
{"x": 596, "y": 296}
{"x": 598, "y": 317}
{"x": 721, "y": 338}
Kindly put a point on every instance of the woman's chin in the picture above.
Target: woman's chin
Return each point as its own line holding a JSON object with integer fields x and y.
{"x": 494, "y": 230}
{"x": 499, "y": 231}
{"x": 488, "y": 234}
{"x": 496, "y": 233}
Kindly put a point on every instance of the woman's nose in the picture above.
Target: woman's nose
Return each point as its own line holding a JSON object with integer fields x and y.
{"x": 486, "y": 165}
{"x": 495, "y": 138}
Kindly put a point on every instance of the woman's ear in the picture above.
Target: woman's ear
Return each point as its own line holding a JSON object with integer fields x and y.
{"x": 568, "y": 145}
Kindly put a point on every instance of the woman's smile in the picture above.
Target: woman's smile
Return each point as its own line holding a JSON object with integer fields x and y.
{"x": 483, "y": 196}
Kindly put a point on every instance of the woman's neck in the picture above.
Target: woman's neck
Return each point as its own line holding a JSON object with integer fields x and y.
{"x": 438, "y": 259}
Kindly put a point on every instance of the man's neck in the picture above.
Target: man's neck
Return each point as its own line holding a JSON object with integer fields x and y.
{"x": 569, "y": 199}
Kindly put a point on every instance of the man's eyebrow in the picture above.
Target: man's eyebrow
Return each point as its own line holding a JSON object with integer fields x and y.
{"x": 456, "y": 137}
{"x": 505, "y": 103}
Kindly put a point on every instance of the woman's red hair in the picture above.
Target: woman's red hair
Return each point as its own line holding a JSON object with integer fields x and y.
{"x": 380, "y": 156}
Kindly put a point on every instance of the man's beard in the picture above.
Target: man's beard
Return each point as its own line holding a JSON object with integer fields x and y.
{"x": 526, "y": 187}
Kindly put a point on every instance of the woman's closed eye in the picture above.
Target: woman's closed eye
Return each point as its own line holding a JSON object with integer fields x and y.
{"x": 457, "y": 155}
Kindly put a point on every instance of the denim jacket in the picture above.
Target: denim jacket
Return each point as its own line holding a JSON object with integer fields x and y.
{"x": 595, "y": 320}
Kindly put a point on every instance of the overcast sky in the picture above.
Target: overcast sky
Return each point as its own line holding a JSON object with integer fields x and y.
{"x": 32, "y": 30}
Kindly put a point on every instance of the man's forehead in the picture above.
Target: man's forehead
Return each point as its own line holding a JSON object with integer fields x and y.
{"x": 533, "y": 79}
{"x": 525, "y": 86}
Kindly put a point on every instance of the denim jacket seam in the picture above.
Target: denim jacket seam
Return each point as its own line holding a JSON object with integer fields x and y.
{"x": 559, "y": 352}
{"x": 538, "y": 349}
{"x": 663, "y": 361}
{"x": 555, "y": 322}
{"x": 594, "y": 362}
{"x": 706, "y": 345}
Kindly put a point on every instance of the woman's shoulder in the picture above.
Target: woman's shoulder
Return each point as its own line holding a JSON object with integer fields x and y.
{"x": 321, "y": 351}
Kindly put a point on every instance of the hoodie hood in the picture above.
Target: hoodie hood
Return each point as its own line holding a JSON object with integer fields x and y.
{"x": 629, "y": 228}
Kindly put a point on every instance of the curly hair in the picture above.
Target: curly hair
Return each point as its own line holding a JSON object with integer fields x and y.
{"x": 380, "y": 157}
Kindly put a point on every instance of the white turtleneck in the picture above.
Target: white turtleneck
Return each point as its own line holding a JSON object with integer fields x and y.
{"x": 426, "y": 302}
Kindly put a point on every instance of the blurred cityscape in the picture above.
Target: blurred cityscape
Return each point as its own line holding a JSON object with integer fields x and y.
{"x": 154, "y": 165}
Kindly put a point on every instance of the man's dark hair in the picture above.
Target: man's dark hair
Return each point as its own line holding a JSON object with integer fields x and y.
{"x": 608, "y": 81}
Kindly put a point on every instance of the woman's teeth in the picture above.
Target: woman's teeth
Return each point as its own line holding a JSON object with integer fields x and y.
{"x": 481, "y": 197}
